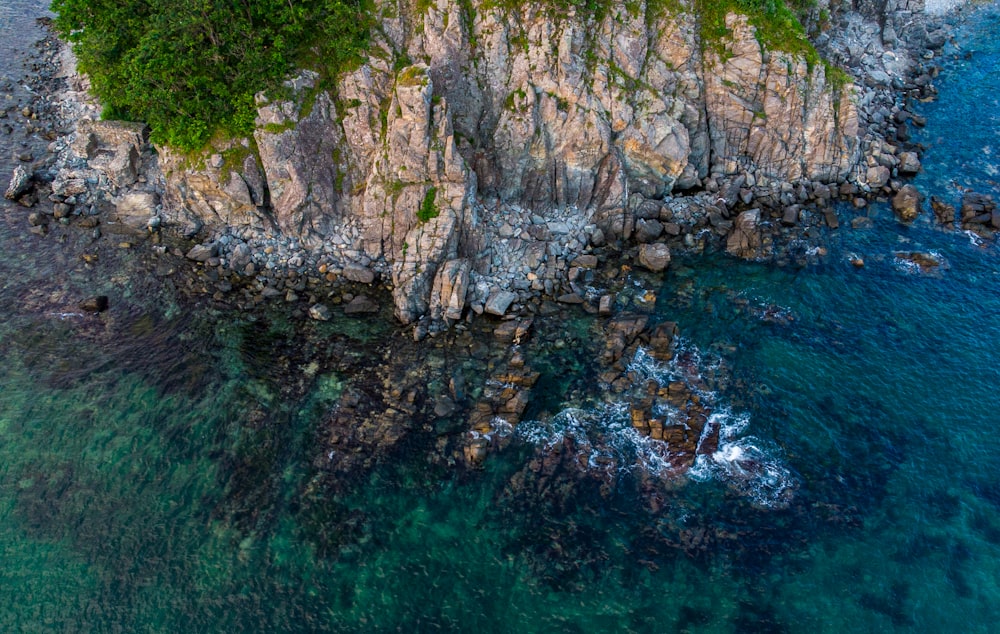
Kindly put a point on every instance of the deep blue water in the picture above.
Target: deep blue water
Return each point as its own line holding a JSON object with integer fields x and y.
{"x": 158, "y": 469}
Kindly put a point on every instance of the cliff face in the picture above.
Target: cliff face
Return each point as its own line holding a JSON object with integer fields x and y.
{"x": 505, "y": 129}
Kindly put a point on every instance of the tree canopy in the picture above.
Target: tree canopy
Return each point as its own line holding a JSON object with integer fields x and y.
{"x": 191, "y": 67}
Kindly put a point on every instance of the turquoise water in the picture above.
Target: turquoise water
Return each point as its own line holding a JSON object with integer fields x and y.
{"x": 165, "y": 465}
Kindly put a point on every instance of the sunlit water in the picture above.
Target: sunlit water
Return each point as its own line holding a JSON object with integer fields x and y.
{"x": 156, "y": 476}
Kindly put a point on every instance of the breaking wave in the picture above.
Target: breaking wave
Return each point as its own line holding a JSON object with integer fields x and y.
{"x": 607, "y": 444}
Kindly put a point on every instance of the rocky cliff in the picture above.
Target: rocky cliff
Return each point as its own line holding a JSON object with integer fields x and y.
{"x": 479, "y": 151}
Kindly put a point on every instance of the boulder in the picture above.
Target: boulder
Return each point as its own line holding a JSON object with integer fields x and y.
{"x": 909, "y": 164}
{"x": 745, "y": 240}
{"x": 359, "y": 274}
{"x": 123, "y": 169}
{"x": 906, "y": 203}
{"x": 202, "y": 252}
{"x": 499, "y": 301}
{"x": 20, "y": 183}
{"x": 319, "y": 312}
{"x": 451, "y": 287}
{"x": 135, "y": 209}
{"x": 361, "y": 305}
{"x": 655, "y": 257}
{"x": 877, "y": 176}
{"x": 647, "y": 230}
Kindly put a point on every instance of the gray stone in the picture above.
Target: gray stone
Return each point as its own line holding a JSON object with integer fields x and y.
{"x": 202, "y": 252}
{"x": 569, "y": 298}
{"x": 359, "y": 274}
{"x": 909, "y": 164}
{"x": 361, "y": 305}
{"x": 499, "y": 301}
{"x": 647, "y": 230}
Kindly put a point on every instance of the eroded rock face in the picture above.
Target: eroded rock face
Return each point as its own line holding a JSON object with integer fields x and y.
{"x": 518, "y": 109}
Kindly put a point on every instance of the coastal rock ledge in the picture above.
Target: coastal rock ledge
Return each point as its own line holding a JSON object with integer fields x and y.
{"x": 521, "y": 139}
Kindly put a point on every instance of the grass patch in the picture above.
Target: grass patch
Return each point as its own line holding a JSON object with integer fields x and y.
{"x": 428, "y": 208}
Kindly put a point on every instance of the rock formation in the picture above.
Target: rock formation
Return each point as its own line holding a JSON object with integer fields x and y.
{"x": 485, "y": 149}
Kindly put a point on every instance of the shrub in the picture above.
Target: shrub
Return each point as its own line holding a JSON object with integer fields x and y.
{"x": 190, "y": 68}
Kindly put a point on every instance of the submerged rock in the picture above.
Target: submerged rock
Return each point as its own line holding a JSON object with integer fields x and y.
{"x": 96, "y": 304}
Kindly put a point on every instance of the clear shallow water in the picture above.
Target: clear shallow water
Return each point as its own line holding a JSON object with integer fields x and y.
{"x": 157, "y": 465}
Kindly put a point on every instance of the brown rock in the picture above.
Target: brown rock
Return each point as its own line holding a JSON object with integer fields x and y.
{"x": 655, "y": 257}
{"x": 906, "y": 203}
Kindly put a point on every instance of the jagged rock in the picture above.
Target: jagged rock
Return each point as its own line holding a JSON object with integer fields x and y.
{"x": 499, "y": 301}
{"x": 906, "y": 203}
{"x": 451, "y": 287}
{"x": 944, "y": 213}
{"x": 909, "y": 164}
{"x": 977, "y": 208}
{"x": 661, "y": 340}
{"x": 20, "y": 183}
{"x": 655, "y": 257}
{"x": 745, "y": 240}
{"x": 202, "y": 252}
{"x": 361, "y": 305}
{"x": 123, "y": 169}
{"x": 647, "y": 231}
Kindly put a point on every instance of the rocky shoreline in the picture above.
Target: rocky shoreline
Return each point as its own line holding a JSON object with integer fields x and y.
{"x": 487, "y": 273}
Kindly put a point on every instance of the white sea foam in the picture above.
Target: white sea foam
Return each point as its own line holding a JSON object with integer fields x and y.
{"x": 66, "y": 315}
{"x": 746, "y": 464}
{"x": 608, "y": 444}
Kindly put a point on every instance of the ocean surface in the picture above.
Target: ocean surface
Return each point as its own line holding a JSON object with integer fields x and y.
{"x": 157, "y": 474}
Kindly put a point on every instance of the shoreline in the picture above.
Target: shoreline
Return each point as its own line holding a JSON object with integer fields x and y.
{"x": 601, "y": 281}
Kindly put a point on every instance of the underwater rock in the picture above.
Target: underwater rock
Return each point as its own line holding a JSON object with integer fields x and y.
{"x": 96, "y": 304}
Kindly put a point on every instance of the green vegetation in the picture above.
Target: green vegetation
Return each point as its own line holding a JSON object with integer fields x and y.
{"x": 191, "y": 67}
{"x": 428, "y": 209}
{"x": 777, "y": 22}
